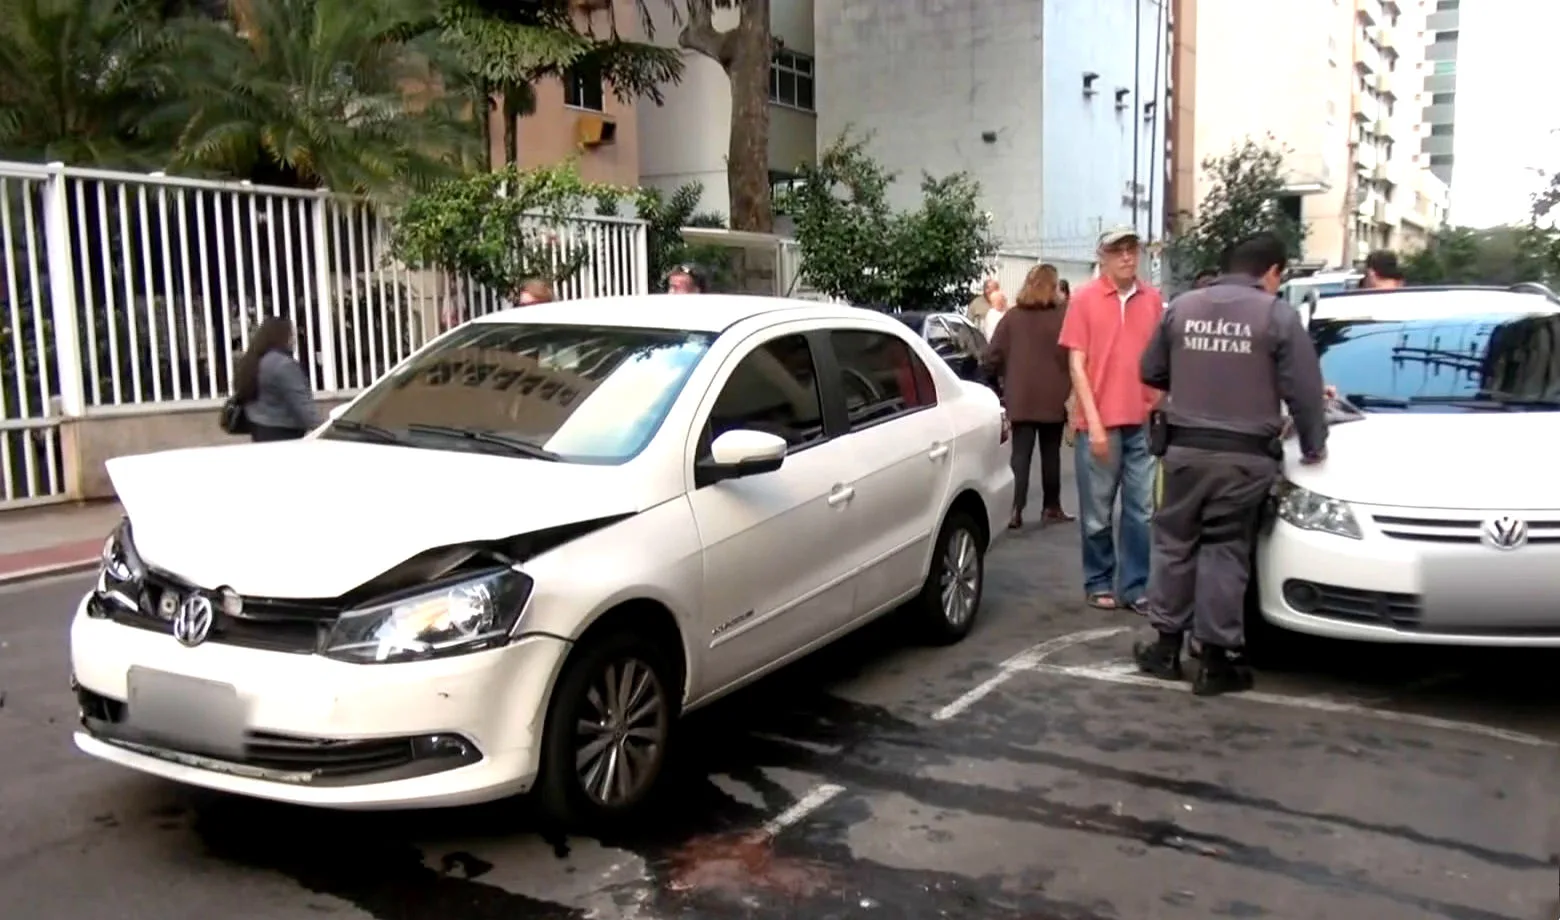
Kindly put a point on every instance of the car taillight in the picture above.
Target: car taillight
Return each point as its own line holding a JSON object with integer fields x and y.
{"x": 1007, "y": 428}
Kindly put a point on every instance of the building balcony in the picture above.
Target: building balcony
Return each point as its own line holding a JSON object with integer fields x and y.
{"x": 1417, "y": 218}
{"x": 1385, "y": 128}
{"x": 1386, "y": 83}
{"x": 1366, "y": 107}
{"x": 1443, "y": 21}
{"x": 1386, "y": 37}
{"x": 1370, "y": 11}
{"x": 1366, "y": 57}
{"x": 1366, "y": 156}
{"x": 1384, "y": 172}
{"x": 1381, "y": 211}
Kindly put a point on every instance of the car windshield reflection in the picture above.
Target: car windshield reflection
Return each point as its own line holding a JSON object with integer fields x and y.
{"x": 1447, "y": 363}
{"x": 581, "y": 394}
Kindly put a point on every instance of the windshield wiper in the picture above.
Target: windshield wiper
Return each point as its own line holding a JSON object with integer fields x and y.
{"x": 1367, "y": 401}
{"x": 518, "y": 446}
{"x": 1475, "y": 401}
{"x": 375, "y": 432}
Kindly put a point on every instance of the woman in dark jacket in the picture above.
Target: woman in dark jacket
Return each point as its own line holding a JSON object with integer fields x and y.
{"x": 272, "y": 385}
{"x": 1035, "y": 384}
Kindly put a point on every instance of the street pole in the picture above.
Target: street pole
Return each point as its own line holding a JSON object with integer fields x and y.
{"x": 1137, "y": 104}
{"x": 1154, "y": 143}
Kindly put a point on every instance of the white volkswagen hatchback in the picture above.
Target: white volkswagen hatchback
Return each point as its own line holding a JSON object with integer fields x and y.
{"x": 517, "y": 558}
{"x": 1436, "y": 517}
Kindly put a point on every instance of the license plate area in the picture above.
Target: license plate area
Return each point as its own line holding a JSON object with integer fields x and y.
{"x": 187, "y": 713}
{"x": 1488, "y": 589}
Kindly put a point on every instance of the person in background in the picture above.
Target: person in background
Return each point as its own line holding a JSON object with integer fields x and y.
{"x": 1066, "y": 290}
{"x": 685, "y": 279}
{"x": 1035, "y": 383}
{"x": 534, "y": 290}
{"x": 272, "y": 386}
{"x": 1382, "y": 272}
{"x": 993, "y": 317}
{"x": 1204, "y": 278}
{"x": 1108, "y": 324}
{"x": 980, "y": 306}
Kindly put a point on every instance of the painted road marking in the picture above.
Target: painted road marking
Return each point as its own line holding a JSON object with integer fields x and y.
{"x": 1125, "y": 672}
{"x": 1027, "y": 660}
{"x": 816, "y": 798}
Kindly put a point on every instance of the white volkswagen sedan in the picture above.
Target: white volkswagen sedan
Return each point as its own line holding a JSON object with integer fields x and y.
{"x": 514, "y": 561}
{"x": 1436, "y": 517}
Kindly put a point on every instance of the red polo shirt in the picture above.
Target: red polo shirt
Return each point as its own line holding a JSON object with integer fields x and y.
{"x": 1112, "y": 328}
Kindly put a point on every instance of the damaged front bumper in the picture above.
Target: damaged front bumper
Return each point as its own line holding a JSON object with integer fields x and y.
{"x": 317, "y": 731}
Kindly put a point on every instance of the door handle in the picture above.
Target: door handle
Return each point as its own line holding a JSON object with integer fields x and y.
{"x": 938, "y": 451}
{"x": 840, "y": 496}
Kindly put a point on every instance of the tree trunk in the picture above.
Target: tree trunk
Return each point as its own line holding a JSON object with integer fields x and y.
{"x": 744, "y": 54}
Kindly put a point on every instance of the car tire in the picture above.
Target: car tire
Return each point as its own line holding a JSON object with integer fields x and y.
{"x": 949, "y": 601}
{"x": 577, "y": 792}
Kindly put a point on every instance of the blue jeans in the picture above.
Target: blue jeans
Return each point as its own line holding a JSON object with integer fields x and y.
{"x": 1129, "y": 473}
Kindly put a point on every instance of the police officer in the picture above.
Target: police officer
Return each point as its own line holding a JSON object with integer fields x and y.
{"x": 1226, "y": 354}
{"x": 686, "y": 279}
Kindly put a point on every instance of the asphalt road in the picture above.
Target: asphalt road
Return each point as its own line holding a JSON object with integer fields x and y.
{"x": 897, "y": 782}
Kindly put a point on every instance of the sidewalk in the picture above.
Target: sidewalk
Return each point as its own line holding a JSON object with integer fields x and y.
{"x": 37, "y": 542}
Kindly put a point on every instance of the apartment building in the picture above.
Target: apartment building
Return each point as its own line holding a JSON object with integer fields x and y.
{"x": 686, "y": 139}
{"x": 1339, "y": 95}
{"x": 1043, "y": 102}
{"x": 1439, "y": 73}
{"x": 579, "y": 116}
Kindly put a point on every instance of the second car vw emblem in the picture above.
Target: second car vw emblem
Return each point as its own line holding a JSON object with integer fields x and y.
{"x": 192, "y": 624}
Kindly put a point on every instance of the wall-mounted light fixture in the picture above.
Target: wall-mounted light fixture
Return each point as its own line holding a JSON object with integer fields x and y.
{"x": 1088, "y": 83}
{"x": 1148, "y": 110}
{"x": 1121, "y": 97}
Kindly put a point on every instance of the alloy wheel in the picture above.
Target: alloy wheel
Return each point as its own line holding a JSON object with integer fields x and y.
{"x": 621, "y": 732}
{"x": 960, "y": 578}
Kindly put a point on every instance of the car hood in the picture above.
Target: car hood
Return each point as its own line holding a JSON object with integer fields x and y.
{"x": 316, "y": 518}
{"x": 1461, "y": 460}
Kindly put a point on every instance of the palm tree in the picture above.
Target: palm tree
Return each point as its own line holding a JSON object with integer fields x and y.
{"x": 340, "y": 94}
{"x": 77, "y": 78}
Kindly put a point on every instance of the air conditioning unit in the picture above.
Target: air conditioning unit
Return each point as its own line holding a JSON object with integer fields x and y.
{"x": 592, "y": 130}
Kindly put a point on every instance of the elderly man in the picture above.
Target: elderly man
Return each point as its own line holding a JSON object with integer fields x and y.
{"x": 981, "y": 305}
{"x": 1108, "y": 325}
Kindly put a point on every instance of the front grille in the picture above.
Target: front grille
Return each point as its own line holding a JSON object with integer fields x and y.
{"x": 1447, "y": 527}
{"x": 1352, "y": 605}
{"x": 318, "y": 761}
{"x": 270, "y": 624}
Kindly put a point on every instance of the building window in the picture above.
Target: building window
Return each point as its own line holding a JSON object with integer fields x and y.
{"x": 1443, "y": 68}
{"x": 791, "y": 80}
{"x": 1446, "y": 37}
{"x": 1443, "y": 98}
{"x": 1440, "y": 159}
{"x": 582, "y": 89}
{"x": 1445, "y": 6}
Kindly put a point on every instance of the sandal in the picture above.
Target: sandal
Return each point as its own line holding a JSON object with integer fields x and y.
{"x": 1103, "y": 600}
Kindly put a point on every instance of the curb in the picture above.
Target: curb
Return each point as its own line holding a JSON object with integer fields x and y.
{"x": 41, "y": 572}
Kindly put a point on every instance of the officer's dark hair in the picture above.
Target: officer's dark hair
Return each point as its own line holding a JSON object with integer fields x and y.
{"x": 1256, "y": 254}
{"x": 1384, "y": 264}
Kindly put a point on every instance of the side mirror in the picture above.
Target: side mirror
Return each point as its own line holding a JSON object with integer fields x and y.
{"x": 946, "y": 348}
{"x": 337, "y": 411}
{"x": 740, "y": 453}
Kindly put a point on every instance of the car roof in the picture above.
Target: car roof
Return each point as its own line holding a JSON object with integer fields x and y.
{"x": 692, "y": 312}
{"x": 1410, "y": 303}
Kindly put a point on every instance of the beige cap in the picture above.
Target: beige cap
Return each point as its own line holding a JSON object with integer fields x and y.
{"x": 1116, "y": 235}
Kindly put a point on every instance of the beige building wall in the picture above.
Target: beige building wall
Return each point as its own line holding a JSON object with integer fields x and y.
{"x": 551, "y": 134}
{"x": 1287, "y": 83}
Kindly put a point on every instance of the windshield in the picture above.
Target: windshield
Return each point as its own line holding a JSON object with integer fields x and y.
{"x": 583, "y": 394}
{"x": 1296, "y": 293}
{"x": 1446, "y": 363}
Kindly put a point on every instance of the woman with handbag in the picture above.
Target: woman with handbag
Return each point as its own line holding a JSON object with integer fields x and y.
{"x": 270, "y": 387}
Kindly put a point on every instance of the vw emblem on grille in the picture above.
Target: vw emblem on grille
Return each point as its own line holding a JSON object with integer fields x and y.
{"x": 1505, "y": 533}
{"x": 192, "y": 624}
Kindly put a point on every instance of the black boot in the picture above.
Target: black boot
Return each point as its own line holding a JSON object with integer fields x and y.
{"x": 1160, "y": 658}
{"x": 1222, "y": 671}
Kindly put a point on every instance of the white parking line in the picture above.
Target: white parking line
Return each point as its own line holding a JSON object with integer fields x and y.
{"x": 816, "y": 798}
{"x": 1027, "y": 660}
{"x": 1125, "y": 672}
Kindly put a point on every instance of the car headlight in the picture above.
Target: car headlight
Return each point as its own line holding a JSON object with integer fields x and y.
{"x": 467, "y": 614}
{"x": 121, "y": 571}
{"x": 1307, "y": 510}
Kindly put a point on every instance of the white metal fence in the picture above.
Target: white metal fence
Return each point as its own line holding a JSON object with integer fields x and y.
{"x": 124, "y": 293}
